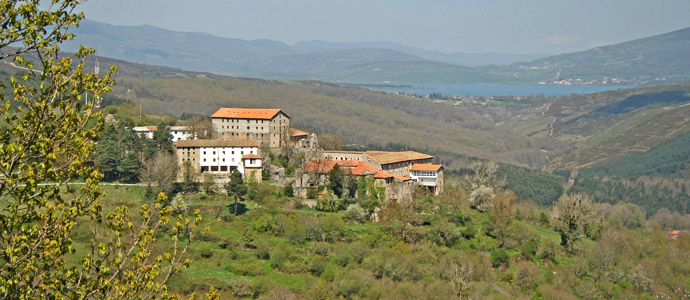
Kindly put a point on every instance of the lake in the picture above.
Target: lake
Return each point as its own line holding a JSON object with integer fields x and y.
{"x": 487, "y": 90}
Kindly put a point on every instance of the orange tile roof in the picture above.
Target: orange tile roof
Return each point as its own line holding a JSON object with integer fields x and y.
{"x": 424, "y": 167}
{"x": 251, "y": 156}
{"x": 247, "y": 113}
{"x": 297, "y": 132}
{"x": 216, "y": 143}
{"x": 353, "y": 167}
{"x": 386, "y": 157}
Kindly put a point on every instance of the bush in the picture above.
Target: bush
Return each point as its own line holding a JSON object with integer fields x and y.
{"x": 288, "y": 191}
{"x": 317, "y": 265}
{"x": 469, "y": 232}
{"x": 241, "y": 287}
{"x": 246, "y": 268}
{"x": 499, "y": 257}
{"x": 278, "y": 258}
{"x": 356, "y": 213}
{"x": 443, "y": 233}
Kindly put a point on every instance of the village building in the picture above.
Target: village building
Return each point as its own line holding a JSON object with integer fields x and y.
{"x": 303, "y": 140}
{"x": 267, "y": 126}
{"x": 430, "y": 176}
{"x": 220, "y": 157}
{"x": 146, "y": 131}
{"x": 177, "y": 132}
{"x": 315, "y": 174}
{"x": 404, "y": 166}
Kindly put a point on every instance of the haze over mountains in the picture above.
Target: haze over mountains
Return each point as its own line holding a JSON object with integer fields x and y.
{"x": 658, "y": 59}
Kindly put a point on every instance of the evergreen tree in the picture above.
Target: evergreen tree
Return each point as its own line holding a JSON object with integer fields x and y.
{"x": 335, "y": 180}
{"x": 236, "y": 187}
{"x": 162, "y": 139}
{"x": 130, "y": 168}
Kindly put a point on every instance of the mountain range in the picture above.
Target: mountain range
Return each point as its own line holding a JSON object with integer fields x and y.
{"x": 662, "y": 58}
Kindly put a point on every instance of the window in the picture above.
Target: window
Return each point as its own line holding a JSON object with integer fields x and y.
{"x": 214, "y": 152}
{"x": 242, "y": 152}
{"x": 223, "y": 151}
{"x": 214, "y": 168}
{"x": 233, "y": 152}
{"x": 223, "y": 168}
{"x": 204, "y": 152}
{"x": 214, "y": 160}
{"x": 223, "y": 159}
{"x": 247, "y": 127}
{"x": 204, "y": 160}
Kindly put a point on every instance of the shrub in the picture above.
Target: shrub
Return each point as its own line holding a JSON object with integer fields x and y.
{"x": 356, "y": 213}
{"x": 241, "y": 287}
{"x": 499, "y": 257}
{"x": 317, "y": 265}
{"x": 469, "y": 232}
{"x": 288, "y": 191}
{"x": 443, "y": 233}
{"x": 246, "y": 268}
{"x": 278, "y": 258}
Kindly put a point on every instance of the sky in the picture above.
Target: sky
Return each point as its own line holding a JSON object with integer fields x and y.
{"x": 501, "y": 26}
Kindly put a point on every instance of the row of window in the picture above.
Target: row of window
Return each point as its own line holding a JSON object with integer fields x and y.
{"x": 231, "y": 152}
{"x": 238, "y": 120}
{"x": 424, "y": 173}
{"x": 217, "y": 168}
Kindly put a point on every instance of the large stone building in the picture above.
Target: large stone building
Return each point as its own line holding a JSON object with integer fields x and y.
{"x": 404, "y": 164}
{"x": 220, "y": 157}
{"x": 315, "y": 173}
{"x": 267, "y": 126}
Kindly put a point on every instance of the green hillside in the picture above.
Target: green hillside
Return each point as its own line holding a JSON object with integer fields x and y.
{"x": 660, "y": 58}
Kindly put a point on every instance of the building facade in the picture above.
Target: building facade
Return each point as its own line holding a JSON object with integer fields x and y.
{"x": 220, "y": 157}
{"x": 267, "y": 126}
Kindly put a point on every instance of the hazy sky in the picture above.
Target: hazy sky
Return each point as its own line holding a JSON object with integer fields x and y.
{"x": 505, "y": 26}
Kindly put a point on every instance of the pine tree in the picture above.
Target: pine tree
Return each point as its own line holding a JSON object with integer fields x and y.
{"x": 236, "y": 187}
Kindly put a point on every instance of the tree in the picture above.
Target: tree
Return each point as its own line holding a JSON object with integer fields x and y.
{"x": 46, "y": 138}
{"x": 236, "y": 187}
{"x": 330, "y": 142}
{"x": 189, "y": 177}
{"x": 209, "y": 183}
{"x": 571, "y": 215}
{"x": 162, "y": 170}
{"x": 502, "y": 214}
{"x": 162, "y": 139}
{"x": 336, "y": 176}
{"x": 130, "y": 168}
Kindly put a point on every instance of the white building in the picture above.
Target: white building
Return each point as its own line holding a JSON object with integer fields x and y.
{"x": 177, "y": 132}
{"x": 181, "y": 133}
{"x": 428, "y": 175}
{"x": 220, "y": 157}
{"x": 146, "y": 131}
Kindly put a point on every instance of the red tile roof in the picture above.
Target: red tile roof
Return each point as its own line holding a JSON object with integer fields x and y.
{"x": 353, "y": 167}
{"x": 247, "y": 113}
{"x": 297, "y": 132}
{"x": 251, "y": 156}
{"x": 423, "y": 167}
{"x": 386, "y": 157}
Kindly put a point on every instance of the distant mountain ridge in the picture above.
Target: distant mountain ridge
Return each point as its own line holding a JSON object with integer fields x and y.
{"x": 658, "y": 59}
{"x": 272, "y": 59}
{"x": 458, "y": 58}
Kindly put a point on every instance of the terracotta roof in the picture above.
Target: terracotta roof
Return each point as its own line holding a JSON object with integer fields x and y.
{"x": 247, "y": 113}
{"x": 353, "y": 167}
{"x": 217, "y": 143}
{"x": 423, "y": 167}
{"x": 297, "y": 132}
{"x": 251, "y": 156}
{"x": 386, "y": 157}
